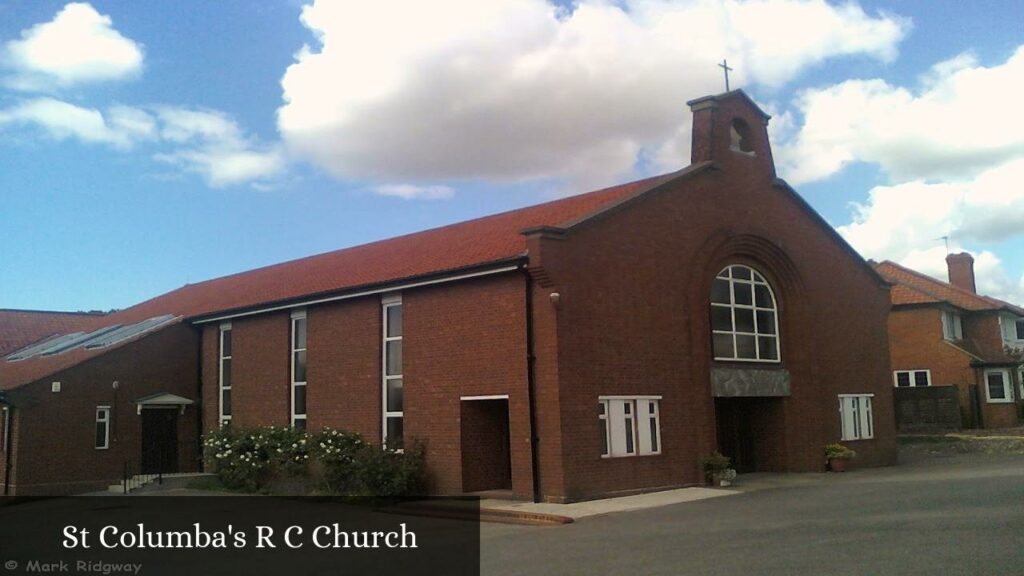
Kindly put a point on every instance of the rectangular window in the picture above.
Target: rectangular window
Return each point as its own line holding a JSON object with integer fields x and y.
{"x": 952, "y": 326}
{"x": 102, "y": 427}
{"x": 855, "y": 416}
{"x": 910, "y": 378}
{"x": 298, "y": 385}
{"x": 997, "y": 385}
{"x": 225, "y": 373}
{"x": 629, "y": 426}
{"x": 1020, "y": 329}
{"x": 393, "y": 404}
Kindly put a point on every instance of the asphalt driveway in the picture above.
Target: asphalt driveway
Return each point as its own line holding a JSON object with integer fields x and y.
{"x": 958, "y": 514}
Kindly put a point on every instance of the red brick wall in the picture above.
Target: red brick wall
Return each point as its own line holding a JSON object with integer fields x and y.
{"x": 633, "y": 319}
{"x": 49, "y": 424}
{"x": 344, "y": 366}
{"x": 465, "y": 339}
{"x": 459, "y": 339}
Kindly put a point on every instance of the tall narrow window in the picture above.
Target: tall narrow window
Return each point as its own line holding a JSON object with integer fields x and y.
{"x": 298, "y": 387}
{"x": 225, "y": 373}
{"x": 394, "y": 411}
{"x": 5, "y": 423}
{"x": 102, "y": 427}
{"x": 744, "y": 322}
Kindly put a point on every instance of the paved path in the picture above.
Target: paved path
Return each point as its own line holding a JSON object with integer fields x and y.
{"x": 579, "y": 510}
{"x": 952, "y": 515}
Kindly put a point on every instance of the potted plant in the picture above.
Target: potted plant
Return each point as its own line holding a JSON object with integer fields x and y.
{"x": 836, "y": 457}
{"x": 717, "y": 469}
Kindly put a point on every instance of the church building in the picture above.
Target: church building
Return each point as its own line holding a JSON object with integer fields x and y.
{"x": 596, "y": 345}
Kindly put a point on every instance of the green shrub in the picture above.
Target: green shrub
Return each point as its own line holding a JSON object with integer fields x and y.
{"x": 837, "y": 451}
{"x": 388, "y": 473}
{"x": 338, "y": 453}
{"x": 716, "y": 463}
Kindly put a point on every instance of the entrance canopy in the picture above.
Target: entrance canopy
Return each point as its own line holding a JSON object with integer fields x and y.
{"x": 162, "y": 400}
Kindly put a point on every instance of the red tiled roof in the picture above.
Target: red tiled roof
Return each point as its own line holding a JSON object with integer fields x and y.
{"x": 19, "y": 328}
{"x": 913, "y": 287}
{"x": 490, "y": 239}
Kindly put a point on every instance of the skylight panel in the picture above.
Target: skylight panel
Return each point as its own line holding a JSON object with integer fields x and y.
{"x": 125, "y": 332}
{"x": 34, "y": 349}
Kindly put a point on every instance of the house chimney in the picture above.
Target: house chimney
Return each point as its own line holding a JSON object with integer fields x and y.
{"x": 961, "y": 271}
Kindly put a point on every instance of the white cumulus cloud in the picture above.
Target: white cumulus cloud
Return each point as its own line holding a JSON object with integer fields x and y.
{"x": 905, "y": 222}
{"x": 525, "y": 89}
{"x": 208, "y": 143}
{"x": 61, "y": 120}
{"x": 211, "y": 144}
{"x": 952, "y": 152}
{"x": 413, "y": 192}
{"x": 958, "y": 123}
{"x": 79, "y": 45}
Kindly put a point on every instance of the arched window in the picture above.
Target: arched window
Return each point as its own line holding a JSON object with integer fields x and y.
{"x": 744, "y": 318}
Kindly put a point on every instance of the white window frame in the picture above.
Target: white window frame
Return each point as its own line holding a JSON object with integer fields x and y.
{"x": 103, "y": 417}
{"x": 221, "y": 388}
{"x": 952, "y": 325}
{"x": 614, "y": 417}
{"x": 913, "y": 378}
{"x": 756, "y": 278}
{"x": 856, "y": 417}
{"x": 295, "y": 384}
{"x": 1007, "y": 386}
{"x": 387, "y": 302}
{"x": 1020, "y": 381}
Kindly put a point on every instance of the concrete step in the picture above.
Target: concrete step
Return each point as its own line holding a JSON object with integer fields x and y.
{"x": 140, "y": 480}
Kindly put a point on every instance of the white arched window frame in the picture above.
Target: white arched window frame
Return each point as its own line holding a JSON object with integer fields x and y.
{"x": 744, "y": 316}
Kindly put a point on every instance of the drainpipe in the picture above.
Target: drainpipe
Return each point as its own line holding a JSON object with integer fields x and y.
{"x": 198, "y": 444}
{"x": 531, "y": 383}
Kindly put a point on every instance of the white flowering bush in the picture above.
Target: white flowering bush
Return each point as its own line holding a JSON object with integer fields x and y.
{"x": 339, "y": 455}
{"x": 246, "y": 459}
{"x": 257, "y": 459}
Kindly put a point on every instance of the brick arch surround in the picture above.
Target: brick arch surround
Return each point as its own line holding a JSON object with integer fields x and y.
{"x": 749, "y": 429}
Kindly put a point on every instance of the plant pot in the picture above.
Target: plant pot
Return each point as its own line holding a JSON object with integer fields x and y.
{"x": 837, "y": 464}
{"x": 724, "y": 478}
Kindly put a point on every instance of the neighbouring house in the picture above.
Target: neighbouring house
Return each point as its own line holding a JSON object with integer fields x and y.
{"x": 594, "y": 345}
{"x": 946, "y": 334}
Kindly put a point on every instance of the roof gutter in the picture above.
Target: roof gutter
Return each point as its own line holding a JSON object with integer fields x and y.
{"x": 498, "y": 268}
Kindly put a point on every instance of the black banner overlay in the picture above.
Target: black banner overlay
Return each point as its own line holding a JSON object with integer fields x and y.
{"x": 199, "y": 535}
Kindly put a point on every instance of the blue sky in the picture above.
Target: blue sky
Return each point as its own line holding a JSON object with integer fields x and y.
{"x": 147, "y": 145}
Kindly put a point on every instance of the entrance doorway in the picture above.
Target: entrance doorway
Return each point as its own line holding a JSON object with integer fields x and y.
{"x": 159, "y": 440}
{"x": 486, "y": 454}
{"x": 751, "y": 431}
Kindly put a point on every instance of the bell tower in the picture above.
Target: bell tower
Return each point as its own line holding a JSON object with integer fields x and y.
{"x": 731, "y": 130}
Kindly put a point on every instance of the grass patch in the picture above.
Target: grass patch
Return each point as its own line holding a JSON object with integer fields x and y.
{"x": 209, "y": 484}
